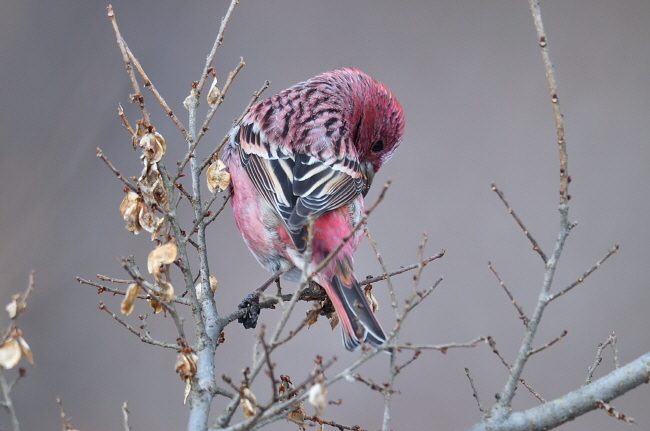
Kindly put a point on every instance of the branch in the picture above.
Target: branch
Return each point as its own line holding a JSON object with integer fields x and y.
{"x": 7, "y": 403}
{"x": 137, "y": 96}
{"x": 570, "y": 406}
{"x": 508, "y": 392}
{"x": 586, "y": 274}
{"x": 512, "y": 212}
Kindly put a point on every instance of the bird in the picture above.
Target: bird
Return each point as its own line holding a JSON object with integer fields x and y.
{"x": 307, "y": 157}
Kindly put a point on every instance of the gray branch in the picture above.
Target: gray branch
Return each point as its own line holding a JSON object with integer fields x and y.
{"x": 570, "y": 406}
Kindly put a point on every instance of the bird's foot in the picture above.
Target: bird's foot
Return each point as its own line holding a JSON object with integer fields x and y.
{"x": 252, "y": 305}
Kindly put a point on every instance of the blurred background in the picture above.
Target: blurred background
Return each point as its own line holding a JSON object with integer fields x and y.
{"x": 471, "y": 80}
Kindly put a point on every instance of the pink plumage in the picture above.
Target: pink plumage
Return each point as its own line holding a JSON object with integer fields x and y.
{"x": 310, "y": 153}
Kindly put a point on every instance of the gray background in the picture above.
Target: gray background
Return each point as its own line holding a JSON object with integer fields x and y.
{"x": 471, "y": 80}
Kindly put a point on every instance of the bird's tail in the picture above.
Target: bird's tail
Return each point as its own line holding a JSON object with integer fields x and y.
{"x": 357, "y": 318}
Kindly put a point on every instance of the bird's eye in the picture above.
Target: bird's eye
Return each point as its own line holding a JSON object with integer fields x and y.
{"x": 377, "y": 146}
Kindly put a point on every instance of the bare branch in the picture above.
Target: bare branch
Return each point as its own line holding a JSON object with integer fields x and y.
{"x": 474, "y": 392}
{"x": 126, "y": 182}
{"x": 569, "y": 406}
{"x": 585, "y": 275}
{"x": 125, "y": 415}
{"x": 512, "y": 299}
{"x": 611, "y": 341}
{"x": 7, "y": 402}
{"x": 215, "y": 46}
{"x": 143, "y": 337}
{"x": 512, "y": 212}
{"x": 137, "y": 96}
{"x": 551, "y": 262}
{"x": 614, "y": 413}
{"x": 549, "y": 344}
{"x": 441, "y": 347}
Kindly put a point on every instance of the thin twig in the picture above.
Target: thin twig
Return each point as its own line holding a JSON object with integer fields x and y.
{"x": 549, "y": 344}
{"x": 8, "y": 403}
{"x": 441, "y": 347}
{"x": 222, "y": 94}
{"x": 508, "y": 393}
{"x": 522, "y": 316}
{"x": 143, "y": 337}
{"x": 384, "y": 275}
{"x": 125, "y": 415}
{"x": 137, "y": 96}
{"x": 148, "y": 84}
{"x": 474, "y": 391}
{"x": 611, "y": 341}
{"x": 402, "y": 269}
{"x": 215, "y": 46}
{"x": 512, "y": 212}
{"x": 102, "y": 288}
{"x": 125, "y": 122}
{"x": 126, "y": 182}
{"x": 532, "y": 391}
{"x": 585, "y": 275}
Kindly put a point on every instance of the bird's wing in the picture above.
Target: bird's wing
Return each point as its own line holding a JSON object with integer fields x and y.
{"x": 299, "y": 186}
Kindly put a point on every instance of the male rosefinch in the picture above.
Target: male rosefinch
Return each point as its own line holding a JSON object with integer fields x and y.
{"x": 309, "y": 153}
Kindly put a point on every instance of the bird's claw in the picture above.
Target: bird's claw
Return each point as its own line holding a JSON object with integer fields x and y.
{"x": 252, "y": 305}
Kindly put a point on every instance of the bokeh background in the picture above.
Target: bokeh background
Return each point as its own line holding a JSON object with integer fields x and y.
{"x": 471, "y": 80}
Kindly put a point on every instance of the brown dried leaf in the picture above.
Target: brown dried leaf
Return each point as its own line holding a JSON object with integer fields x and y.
{"x": 155, "y": 304}
{"x": 130, "y": 209}
{"x": 10, "y": 353}
{"x": 148, "y": 219}
{"x": 372, "y": 301}
{"x": 129, "y": 299}
{"x": 214, "y": 93}
{"x": 297, "y": 415}
{"x": 153, "y": 147}
{"x": 312, "y": 315}
{"x": 163, "y": 255}
{"x": 151, "y": 186}
{"x": 186, "y": 365}
{"x": 333, "y": 318}
{"x": 247, "y": 401}
{"x": 166, "y": 290}
{"x": 217, "y": 176}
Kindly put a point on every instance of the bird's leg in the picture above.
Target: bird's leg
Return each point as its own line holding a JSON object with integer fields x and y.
{"x": 252, "y": 303}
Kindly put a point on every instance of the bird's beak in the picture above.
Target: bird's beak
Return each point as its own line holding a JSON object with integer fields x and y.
{"x": 368, "y": 172}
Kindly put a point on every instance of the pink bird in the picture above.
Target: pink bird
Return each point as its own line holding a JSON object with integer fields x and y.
{"x": 309, "y": 153}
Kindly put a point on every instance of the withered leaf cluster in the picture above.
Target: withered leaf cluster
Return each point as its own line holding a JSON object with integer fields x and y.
{"x": 14, "y": 347}
{"x": 138, "y": 209}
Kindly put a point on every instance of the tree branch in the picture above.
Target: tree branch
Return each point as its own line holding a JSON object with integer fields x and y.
{"x": 570, "y": 406}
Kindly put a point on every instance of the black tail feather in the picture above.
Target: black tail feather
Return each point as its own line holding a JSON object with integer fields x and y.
{"x": 358, "y": 311}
